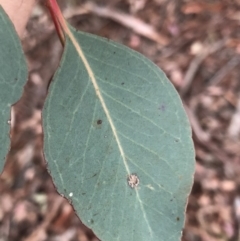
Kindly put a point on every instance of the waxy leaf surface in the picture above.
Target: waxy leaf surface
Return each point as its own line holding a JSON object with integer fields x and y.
{"x": 13, "y": 75}
{"x": 106, "y": 117}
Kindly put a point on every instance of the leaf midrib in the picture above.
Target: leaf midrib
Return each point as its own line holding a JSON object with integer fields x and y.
{"x": 109, "y": 118}
{"x": 99, "y": 95}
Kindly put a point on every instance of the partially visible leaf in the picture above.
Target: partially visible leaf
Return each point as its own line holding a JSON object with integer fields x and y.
{"x": 13, "y": 75}
{"x": 111, "y": 114}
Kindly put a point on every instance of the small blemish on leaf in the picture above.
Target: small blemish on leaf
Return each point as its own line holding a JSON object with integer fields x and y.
{"x": 150, "y": 187}
{"x": 133, "y": 180}
{"x": 95, "y": 175}
{"x": 162, "y": 107}
{"x": 177, "y": 218}
{"x": 122, "y": 83}
{"x": 99, "y": 122}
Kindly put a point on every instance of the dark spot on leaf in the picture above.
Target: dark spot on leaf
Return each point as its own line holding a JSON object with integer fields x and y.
{"x": 95, "y": 214}
{"x": 114, "y": 52}
{"x": 94, "y": 175}
{"x": 99, "y": 122}
{"x": 177, "y": 218}
{"x": 171, "y": 200}
{"x": 162, "y": 107}
{"x": 176, "y": 140}
{"x": 92, "y": 221}
{"x": 83, "y": 193}
{"x": 122, "y": 83}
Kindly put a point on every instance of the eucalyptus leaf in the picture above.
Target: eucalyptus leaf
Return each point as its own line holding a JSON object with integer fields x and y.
{"x": 13, "y": 75}
{"x": 118, "y": 142}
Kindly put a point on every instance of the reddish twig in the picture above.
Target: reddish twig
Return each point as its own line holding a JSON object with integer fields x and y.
{"x": 57, "y": 18}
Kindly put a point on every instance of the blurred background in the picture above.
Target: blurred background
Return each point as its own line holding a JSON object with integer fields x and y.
{"x": 197, "y": 44}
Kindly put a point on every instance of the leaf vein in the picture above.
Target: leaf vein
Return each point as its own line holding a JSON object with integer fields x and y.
{"x": 86, "y": 144}
{"x": 99, "y": 94}
{"x": 144, "y": 117}
{"x": 151, "y": 151}
{"x": 148, "y": 175}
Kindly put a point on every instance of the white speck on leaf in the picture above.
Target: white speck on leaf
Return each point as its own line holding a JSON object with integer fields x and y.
{"x": 133, "y": 180}
{"x": 70, "y": 194}
{"x": 150, "y": 187}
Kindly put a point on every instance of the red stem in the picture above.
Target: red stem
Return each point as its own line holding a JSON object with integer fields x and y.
{"x": 58, "y": 19}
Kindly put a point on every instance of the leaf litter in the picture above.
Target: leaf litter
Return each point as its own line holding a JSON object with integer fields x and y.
{"x": 30, "y": 208}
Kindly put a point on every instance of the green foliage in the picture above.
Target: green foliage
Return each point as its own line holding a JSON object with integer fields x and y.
{"x": 13, "y": 75}
{"x": 109, "y": 117}
{"x": 116, "y": 137}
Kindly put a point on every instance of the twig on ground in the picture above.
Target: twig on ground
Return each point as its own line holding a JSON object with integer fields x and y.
{"x": 231, "y": 64}
{"x": 204, "y": 138}
{"x": 234, "y": 126}
{"x": 40, "y": 232}
{"x": 196, "y": 62}
{"x": 207, "y": 225}
{"x": 201, "y": 135}
{"x": 237, "y": 215}
{"x": 137, "y": 25}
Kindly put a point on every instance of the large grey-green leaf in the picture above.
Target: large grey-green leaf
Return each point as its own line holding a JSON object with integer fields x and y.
{"x": 13, "y": 75}
{"x": 106, "y": 117}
